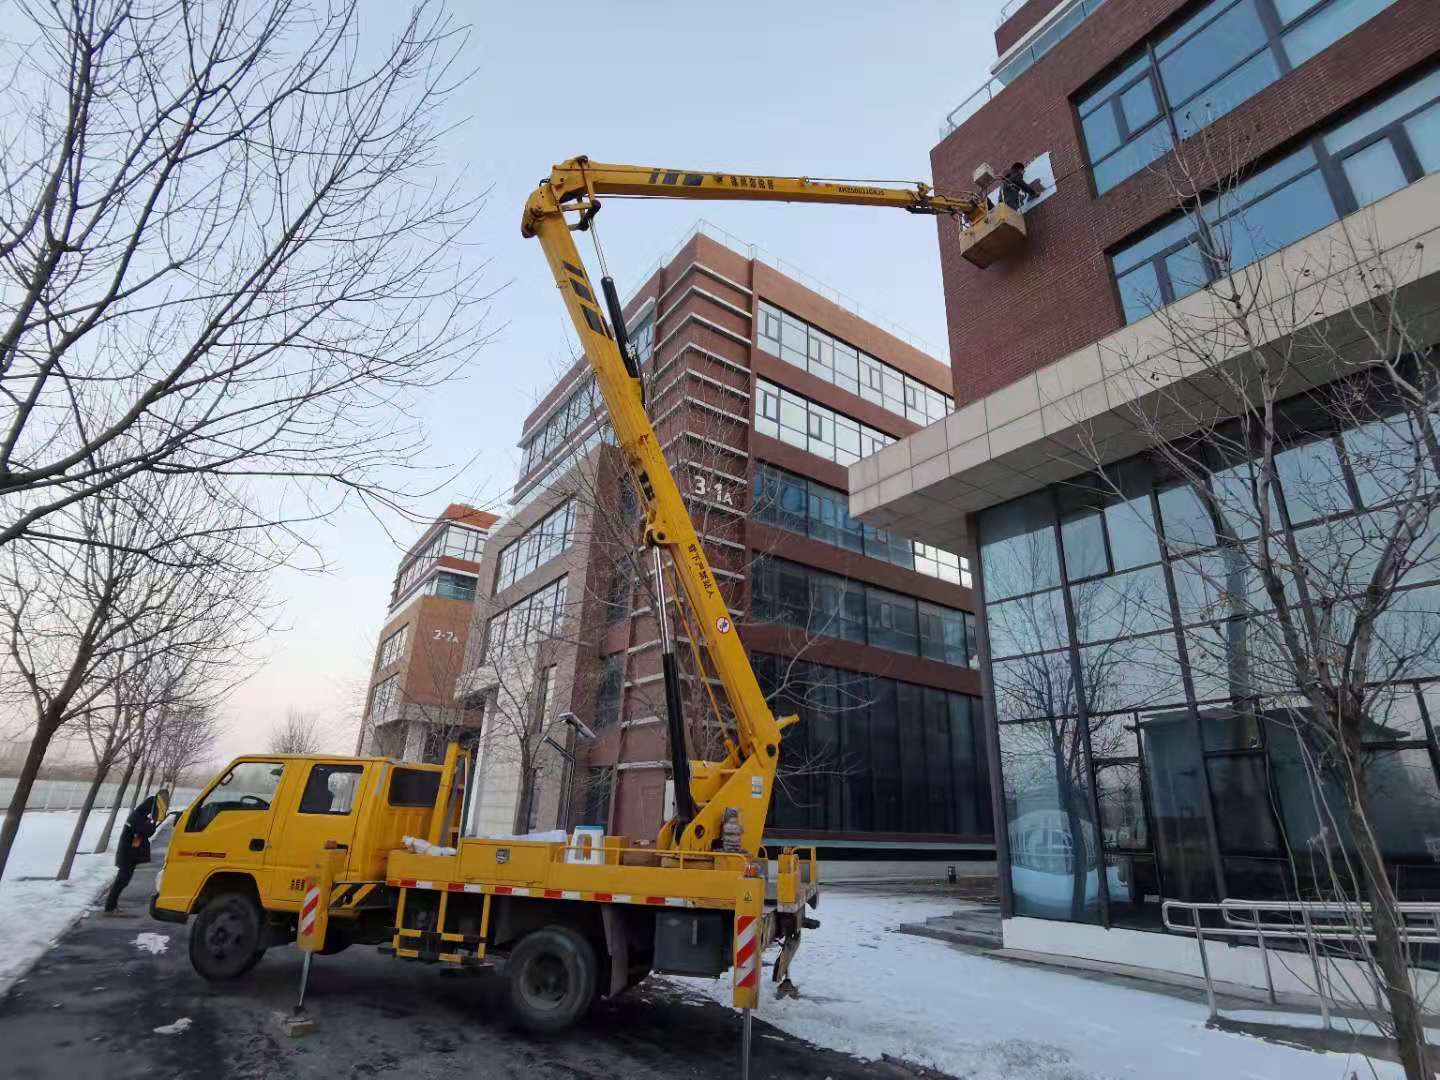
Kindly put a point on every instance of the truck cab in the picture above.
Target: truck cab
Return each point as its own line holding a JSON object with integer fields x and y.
{"x": 242, "y": 850}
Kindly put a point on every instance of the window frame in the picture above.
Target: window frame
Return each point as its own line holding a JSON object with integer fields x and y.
{"x": 1167, "y": 41}
{"x": 333, "y": 768}
{"x": 1206, "y": 222}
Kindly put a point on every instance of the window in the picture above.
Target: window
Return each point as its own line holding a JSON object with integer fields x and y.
{"x": 1387, "y": 146}
{"x": 382, "y": 698}
{"x": 889, "y": 754}
{"x": 594, "y": 797}
{"x": 811, "y": 349}
{"x": 829, "y": 605}
{"x": 808, "y": 508}
{"x": 464, "y": 543}
{"x": 642, "y": 339}
{"x": 801, "y": 422}
{"x": 525, "y": 622}
{"x": 527, "y": 491}
{"x": 942, "y": 634}
{"x": 1017, "y": 547}
{"x": 1223, "y": 53}
{"x": 454, "y": 586}
{"x": 609, "y": 697}
{"x": 330, "y": 789}
{"x": 537, "y": 545}
{"x": 564, "y": 420}
{"x": 414, "y": 787}
{"x": 393, "y": 647}
{"x": 248, "y": 786}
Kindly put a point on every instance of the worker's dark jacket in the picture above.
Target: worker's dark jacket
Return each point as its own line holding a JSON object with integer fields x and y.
{"x": 135, "y": 836}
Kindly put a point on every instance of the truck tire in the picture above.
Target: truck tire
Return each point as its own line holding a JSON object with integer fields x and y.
{"x": 550, "y": 979}
{"x": 225, "y": 939}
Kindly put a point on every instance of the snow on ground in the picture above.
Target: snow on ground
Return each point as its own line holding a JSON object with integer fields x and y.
{"x": 871, "y": 992}
{"x": 33, "y": 913}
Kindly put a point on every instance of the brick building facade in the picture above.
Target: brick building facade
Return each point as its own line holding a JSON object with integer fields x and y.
{"x": 1244, "y": 191}
{"x": 410, "y": 709}
{"x": 762, "y": 392}
{"x": 1021, "y": 314}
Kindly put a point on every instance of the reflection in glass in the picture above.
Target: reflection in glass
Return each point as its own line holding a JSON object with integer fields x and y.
{"x": 1083, "y": 538}
{"x": 1132, "y": 673}
{"x": 1053, "y": 864}
{"x": 1392, "y": 713}
{"x": 1312, "y": 807}
{"x": 1406, "y": 802}
{"x": 1374, "y": 172}
{"x": 1033, "y": 686}
{"x": 1407, "y": 636}
{"x": 1017, "y": 547}
{"x": 1313, "y": 481}
{"x": 1187, "y": 522}
{"x": 1177, "y": 806}
{"x": 1133, "y": 603}
{"x": 1122, "y": 816}
{"x": 1242, "y": 806}
{"x": 1029, "y": 624}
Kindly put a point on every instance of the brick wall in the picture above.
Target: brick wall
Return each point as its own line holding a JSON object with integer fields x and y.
{"x": 1058, "y": 296}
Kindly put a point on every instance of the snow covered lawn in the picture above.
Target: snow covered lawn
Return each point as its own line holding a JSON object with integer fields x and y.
{"x": 872, "y": 992}
{"x": 33, "y": 913}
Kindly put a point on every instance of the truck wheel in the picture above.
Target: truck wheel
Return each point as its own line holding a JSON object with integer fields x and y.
{"x": 550, "y": 979}
{"x": 225, "y": 940}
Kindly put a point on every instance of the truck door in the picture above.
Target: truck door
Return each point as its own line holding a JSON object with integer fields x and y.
{"x": 319, "y": 811}
{"x": 230, "y": 825}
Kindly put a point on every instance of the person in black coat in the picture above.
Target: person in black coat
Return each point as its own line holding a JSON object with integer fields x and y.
{"x": 134, "y": 846}
{"x": 1015, "y": 190}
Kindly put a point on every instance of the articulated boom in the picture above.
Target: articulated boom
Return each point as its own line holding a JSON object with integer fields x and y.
{"x": 743, "y": 781}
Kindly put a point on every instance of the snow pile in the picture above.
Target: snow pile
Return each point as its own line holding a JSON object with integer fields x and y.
{"x": 871, "y": 993}
{"x": 177, "y": 1028}
{"x": 154, "y": 944}
{"x": 33, "y": 913}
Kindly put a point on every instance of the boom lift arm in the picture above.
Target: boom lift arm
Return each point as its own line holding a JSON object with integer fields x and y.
{"x": 742, "y": 782}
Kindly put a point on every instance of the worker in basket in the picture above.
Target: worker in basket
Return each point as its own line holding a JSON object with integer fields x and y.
{"x": 1015, "y": 190}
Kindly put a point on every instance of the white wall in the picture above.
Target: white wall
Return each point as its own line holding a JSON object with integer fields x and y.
{"x": 1180, "y": 954}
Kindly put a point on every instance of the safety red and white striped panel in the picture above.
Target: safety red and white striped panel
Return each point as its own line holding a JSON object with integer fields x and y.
{"x": 747, "y": 951}
{"x": 546, "y": 894}
{"x": 309, "y": 909}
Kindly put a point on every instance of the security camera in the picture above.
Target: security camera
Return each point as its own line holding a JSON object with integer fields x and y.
{"x": 582, "y": 730}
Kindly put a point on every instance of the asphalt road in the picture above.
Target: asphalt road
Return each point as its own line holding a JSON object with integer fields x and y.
{"x": 90, "y": 1006}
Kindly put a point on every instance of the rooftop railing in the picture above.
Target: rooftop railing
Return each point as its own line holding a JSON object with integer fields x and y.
{"x": 790, "y": 270}
{"x": 1058, "y": 26}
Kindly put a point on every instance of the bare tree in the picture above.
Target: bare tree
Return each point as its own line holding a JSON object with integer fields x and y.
{"x": 1295, "y": 407}
{"x": 161, "y": 694}
{"x": 299, "y": 733}
{"x": 224, "y": 249}
{"x": 78, "y": 620}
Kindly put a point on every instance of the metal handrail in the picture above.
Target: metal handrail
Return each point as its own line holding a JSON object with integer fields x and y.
{"x": 1243, "y": 919}
{"x": 1020, "y": 59}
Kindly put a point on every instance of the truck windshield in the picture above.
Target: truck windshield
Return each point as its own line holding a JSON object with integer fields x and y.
{"x": 250, "y": 785}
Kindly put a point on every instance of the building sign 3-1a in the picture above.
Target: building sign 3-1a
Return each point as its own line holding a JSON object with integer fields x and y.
{"x": 705, "y": 488}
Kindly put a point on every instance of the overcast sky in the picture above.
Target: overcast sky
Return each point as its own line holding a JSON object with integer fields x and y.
{"x": 847, "y": 89}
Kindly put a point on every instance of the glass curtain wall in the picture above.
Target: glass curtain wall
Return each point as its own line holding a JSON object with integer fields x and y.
{"x": 876, "y": 755}
{"x": 1151, "y": 740}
